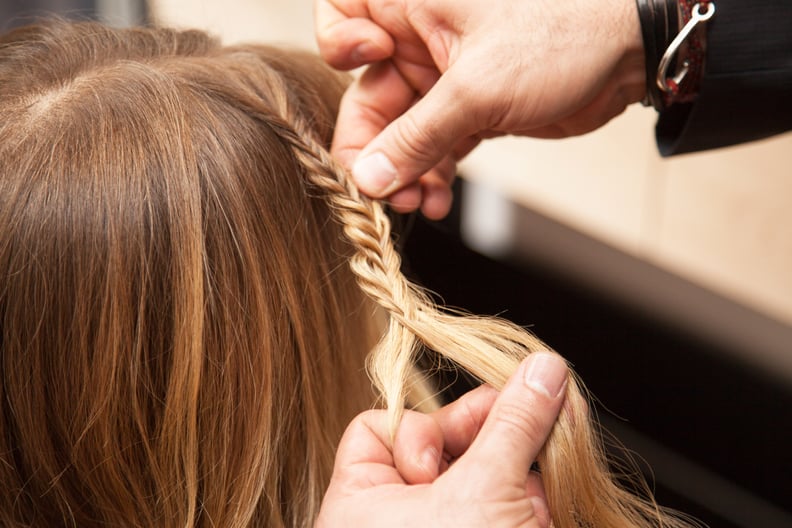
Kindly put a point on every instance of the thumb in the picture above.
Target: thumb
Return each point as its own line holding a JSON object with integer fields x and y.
{"x": 418, "y": 140}
{"x": 520, "y": 421}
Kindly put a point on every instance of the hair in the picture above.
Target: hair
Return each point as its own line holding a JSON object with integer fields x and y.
{"x": 186, "y": 287}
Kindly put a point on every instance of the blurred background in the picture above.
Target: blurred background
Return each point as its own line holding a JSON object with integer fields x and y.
{"x": 666, "y": 282}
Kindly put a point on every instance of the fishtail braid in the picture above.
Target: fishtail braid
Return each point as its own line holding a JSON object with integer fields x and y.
{"x": 580, "y": 488}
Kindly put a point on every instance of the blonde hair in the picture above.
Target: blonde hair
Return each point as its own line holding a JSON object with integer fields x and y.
{"x": 182, "y": 338}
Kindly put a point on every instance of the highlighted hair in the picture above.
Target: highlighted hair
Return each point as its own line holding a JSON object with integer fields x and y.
{"x": 187, "y": 293}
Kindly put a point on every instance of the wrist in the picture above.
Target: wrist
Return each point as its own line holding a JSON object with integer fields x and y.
{"x": 631, "y": 69}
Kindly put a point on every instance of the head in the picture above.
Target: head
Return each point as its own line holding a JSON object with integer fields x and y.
{"x": 184, "y": 275}
{"x": 182, "y": 341}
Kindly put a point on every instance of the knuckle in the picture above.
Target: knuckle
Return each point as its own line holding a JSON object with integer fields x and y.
{"x": 362, "y": 422}
{"x": 469, "y": 420}
{"x": 518, "y": 423}
{"x": 419, "y": 141}
{"x": 349, "y": 479}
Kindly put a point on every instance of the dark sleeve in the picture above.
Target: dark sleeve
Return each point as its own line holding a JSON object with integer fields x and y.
{"x": 746, "y": 90}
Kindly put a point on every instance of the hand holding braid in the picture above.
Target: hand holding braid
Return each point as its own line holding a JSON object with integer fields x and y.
{"x": 579, "y": 487}
{"x": 445, "y": 74}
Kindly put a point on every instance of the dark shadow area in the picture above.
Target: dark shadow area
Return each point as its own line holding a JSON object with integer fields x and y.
{"x": 14, "y": 13}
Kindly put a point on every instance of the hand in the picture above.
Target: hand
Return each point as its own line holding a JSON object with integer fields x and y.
{"x": 468, "y": 464}
{"x": 451, "y": 72}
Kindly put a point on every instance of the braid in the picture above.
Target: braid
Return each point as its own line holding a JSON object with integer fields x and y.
{"x": 375, "y": 263}
{"x": 581, "y": 491}
{"x": 414, "y": 318}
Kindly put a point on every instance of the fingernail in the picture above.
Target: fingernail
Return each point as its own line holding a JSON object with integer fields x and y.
{"x": 374, "y": 174}
{"x": 364, "y": 51}
{"x": 430, "y": 460}
{"x": 546, "y": 373}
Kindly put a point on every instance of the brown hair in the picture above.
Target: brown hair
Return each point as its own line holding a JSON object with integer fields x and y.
{"x": 182, "y": 341}
{"x": 182, "y": 338}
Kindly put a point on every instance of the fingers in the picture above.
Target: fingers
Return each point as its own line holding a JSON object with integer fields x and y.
{"x": 535, "y": 490}
{"x": 520, "y": 421}
{"x": 409, "y": 144}
{"x": 425, "y": 443}
{"x": 436, "y": 189}
{"x": 400, "y": 122}
{"x": 432, "y": 193}
{"x": 375, "y": 100}
{"x": 461, "y": 420}
{"x": 378, "y": 97}
{"x": 418, "y": 448}
{"x": 407, "y": 199}
{"x": 349, "y": 39}
{"x": 366, "y": 488}
{"x": 364, "y": 457}
{"x": 504, "y": 432}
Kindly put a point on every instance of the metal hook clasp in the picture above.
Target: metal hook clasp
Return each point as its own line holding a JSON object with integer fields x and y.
{"x": 697, "y": 16}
